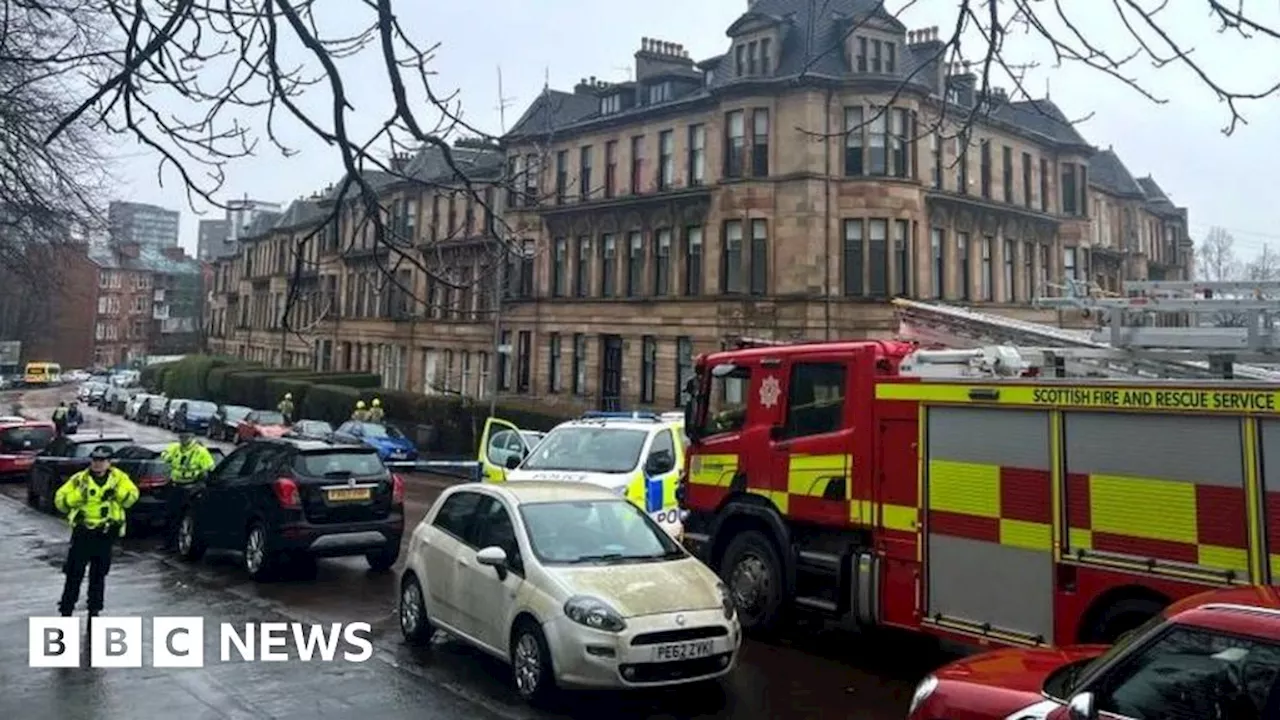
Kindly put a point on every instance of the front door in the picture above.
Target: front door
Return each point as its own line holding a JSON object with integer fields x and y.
{"x": 610, "y": 372}
{"x": 811, "y": 450}
{"x": 500, "y": 441}
{"x": 489, "y": 593}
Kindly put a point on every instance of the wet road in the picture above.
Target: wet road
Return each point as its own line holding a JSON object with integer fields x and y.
{"x": 811, "y": 673}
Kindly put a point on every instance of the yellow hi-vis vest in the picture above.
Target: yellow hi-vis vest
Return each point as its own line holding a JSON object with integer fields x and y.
{"x": 80, "y": 498}
{"x": 187, "y": 464}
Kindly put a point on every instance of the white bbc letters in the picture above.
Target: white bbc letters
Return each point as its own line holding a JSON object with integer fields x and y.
{"x": 53, "y": 642}
{"x": 115, "y": 642}
{"x": 177, "y": 642}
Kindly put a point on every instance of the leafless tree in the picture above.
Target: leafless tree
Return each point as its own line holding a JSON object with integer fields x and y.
{"x": 1216, "y": 257}
{"x": 1264, "y": 267}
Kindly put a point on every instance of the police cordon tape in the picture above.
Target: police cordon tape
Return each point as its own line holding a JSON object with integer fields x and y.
{"x": 464, "y": 469}
{"x": 179, "y": 642}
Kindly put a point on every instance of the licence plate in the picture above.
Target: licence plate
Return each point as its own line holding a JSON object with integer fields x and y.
{"x": 24, "y": 462}
{"x": 683, "y": 651}
{"x": 349, "y": 495}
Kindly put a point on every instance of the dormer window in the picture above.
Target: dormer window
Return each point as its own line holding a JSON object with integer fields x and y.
{"x": 610, "y": 104}
{"x": 876, "y": 55}
{"x": 754, "y": 57}
{"x": 660, "y": 93}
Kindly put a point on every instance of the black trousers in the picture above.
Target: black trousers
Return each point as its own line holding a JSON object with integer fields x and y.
{"x": 90, "y": 550}
{"x": 174, "y": 503}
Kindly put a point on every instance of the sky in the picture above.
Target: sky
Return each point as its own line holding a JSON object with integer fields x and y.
{"x": 1223, "y": 181}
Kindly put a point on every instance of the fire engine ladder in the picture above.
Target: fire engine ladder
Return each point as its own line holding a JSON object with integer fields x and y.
{"x": 1059, "y": 351}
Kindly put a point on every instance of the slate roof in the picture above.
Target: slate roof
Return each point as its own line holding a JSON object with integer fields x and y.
{"x": 263, "y": 222}
{"x": 300, "y": 213}
{"x": 1152, "y": 191}
{"x": 149, "y": 259}
{"x": 1109, "y": 174}
{"x": 428, "y": 165}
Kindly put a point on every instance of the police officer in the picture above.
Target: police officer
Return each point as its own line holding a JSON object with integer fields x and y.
{"x": 375, "y": 412}
{"x": 360, "y": 414}
{"x": 189, "y": 462}
{"x": 286, "y": 408}
{"x": 60, "y": 418}
{"x": 95, "y": 501}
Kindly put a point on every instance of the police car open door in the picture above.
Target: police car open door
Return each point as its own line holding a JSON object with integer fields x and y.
{"x": 499, "y": 443}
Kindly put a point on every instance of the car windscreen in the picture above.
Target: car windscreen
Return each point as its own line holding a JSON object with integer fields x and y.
{"x": 312, "y": 427}
{"x": 339, "y": 462}
{"x": 374, "y": 430}
{"x": 27, "y": 437}
{"x": 595, "y": 531}
{"x": 588, "y": 449}
{"x": 200, "y": 407}
{"x": 235, "y": 413}
{"x": 82, "y": 450}
{"x": 270, "y": 418}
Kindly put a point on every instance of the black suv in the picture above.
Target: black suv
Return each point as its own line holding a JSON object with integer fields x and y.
{"x": 279, "y": 501}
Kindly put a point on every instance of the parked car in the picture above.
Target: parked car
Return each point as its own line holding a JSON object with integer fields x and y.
{"x": 170, "y": 411}
{"x": 571, "y": 584}
{"x": 310, "y": 430}
{"x": 20, "y": 442}
{"x": 133, "y": 410}
{"x": 116, "y": 399}
{"x": 279, "y": 501}
{"x": 225, "y": 420}
{"x": 154, "y": 410}
{"x": 64, "y": 456}
{"x": 153, "y": 478}
{"x": 390, "y": 443}
{"x": 1213, "y": 655}
{"x": 193, "y": 416}
{"x": 261, "y": 424}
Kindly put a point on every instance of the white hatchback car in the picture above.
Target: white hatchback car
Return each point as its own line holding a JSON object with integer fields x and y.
{"x": 570, "y": 584}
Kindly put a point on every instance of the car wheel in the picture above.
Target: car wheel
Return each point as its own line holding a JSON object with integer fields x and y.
{"x": 752, "y": 570}
{"x": 190, "y": 546}
{"x": 382, "y": 560}
{"x": 257, "y": 560}
{"x": 33, "y": 500}
{"x": 415, "y": 625}
{"x": 531, "y": 664}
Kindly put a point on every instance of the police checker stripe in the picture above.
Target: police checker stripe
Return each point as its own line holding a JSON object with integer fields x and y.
{"x": 988, "y": 488}
{"x": 1161, "y": 487}
{"x": 1269, "y": 450}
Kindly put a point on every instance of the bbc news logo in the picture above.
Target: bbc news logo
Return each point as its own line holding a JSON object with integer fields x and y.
{"x": 179, "y": 642}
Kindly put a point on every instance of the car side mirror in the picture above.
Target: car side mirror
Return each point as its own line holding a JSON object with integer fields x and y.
{"x": 777, "y": 432}
{"x": 494, "y": 557}
{"x": 1083, "y": 707}
{"x": 659, "y": 463}
{"x": 513, "y": 461}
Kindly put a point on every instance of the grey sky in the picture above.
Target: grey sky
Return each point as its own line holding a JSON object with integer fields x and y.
{"x": 1223, "y": 181}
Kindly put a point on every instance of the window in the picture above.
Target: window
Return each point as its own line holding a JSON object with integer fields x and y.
{"x": 610, "y": 168}
{"x": 988, "y": 279}
{"x": 448, "y": 371}
{"x": 815, "y": 401}
{"x": 731, "y": 259}
{"x": 635, "y": 263}
{"x": 637, "y": 164}
{"x": 759, "y": 260}
{"x": 583, "y": 275}
{"x": 608, "y": 265}
{"x": 862, "y": 55}
{"x": 693, "y": 261}
{"x": 1074, "y": 187}
{"x": 666, "y": 159}
{"x": 766, "y": 62}
{"x": 853, "y": 265}
{"x": 1069, "y": 264}
{"x": 523, "y": 361}
{"x": 878, "y": 130}
{"x": 483, "y": 360}
{"x": 878, "y": 256}
{"x": 899, "y": 139}
{"x": 962, "y": 258}
{"x": 1007, "y": 161}
{"x": 648, "y": 368}
{"x": 1008, "y": 293}
{"x": 579, "y": 364}
{"x": 562, "y": 183}
{"x": 465, "y": 387}
{"x": 456, "y": 514}
{"x": 735, "y": 144}
{"x": 1042, "y": 279}
{"x": 760, "y": 143}
{"x": 938, "y": 262}
{"x": 876, "y": 65}
{"x": 751, "y": 58}
{"x": 490, "y": 213}
{"x": 740, "y": 58}
{"x": 1028, "y": 271}
{"x": 493, "y": 528}
{"x": 526, "y": 269}
{"x": 610, "y": 104}
{"x": 684, "y": 368}
{"x": 584, "y": 173}
{"x": 984, "y": 168}
{"x": 1026, "y": 179}
{"x": 1044, "y": 185}
{"x": 659, "y": 93}
{"x": 697, "y": 154}
{"x": 901, "y": 256}
{"x": 962, "y": 164}
{"x": 555, "y": 383}
{"x": 662, "y": 262}
{"x": 558, "y": 267}
{"x": 890, "y": 57}
{"x": 853, "y": 141}
{"x": 935, "y": 145}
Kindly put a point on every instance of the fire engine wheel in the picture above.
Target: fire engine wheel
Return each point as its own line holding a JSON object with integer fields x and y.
{"x": 1120, "y": 619}
{"x": 752, "y": 570}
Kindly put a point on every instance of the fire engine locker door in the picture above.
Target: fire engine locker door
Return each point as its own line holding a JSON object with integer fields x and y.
{"x": 1269, "y": 440}
{"x": 989, "y": 514}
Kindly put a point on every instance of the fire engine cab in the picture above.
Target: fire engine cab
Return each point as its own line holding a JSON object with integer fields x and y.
{"x": 988, "y": 502}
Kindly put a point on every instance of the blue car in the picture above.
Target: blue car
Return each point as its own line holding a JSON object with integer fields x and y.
{"x": 391, "y": 444}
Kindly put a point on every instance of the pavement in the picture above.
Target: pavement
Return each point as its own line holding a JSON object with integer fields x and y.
{"x": 809, "y": 673}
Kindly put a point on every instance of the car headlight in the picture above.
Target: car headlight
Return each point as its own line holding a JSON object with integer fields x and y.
{"x": 726, "y": 601}
{"x": 594, "y": 613}
{"x": 922, "y": 693}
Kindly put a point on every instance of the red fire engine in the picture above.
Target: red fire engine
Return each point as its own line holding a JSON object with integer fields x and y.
{"x": 835, "y": 478}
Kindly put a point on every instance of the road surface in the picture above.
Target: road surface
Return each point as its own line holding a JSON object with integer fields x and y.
{"x": 812, "y": 673}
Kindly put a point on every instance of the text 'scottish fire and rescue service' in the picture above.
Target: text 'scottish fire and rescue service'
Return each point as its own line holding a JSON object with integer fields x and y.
{"x": 1171, "y": 399}
{"x": 179, "y": 642}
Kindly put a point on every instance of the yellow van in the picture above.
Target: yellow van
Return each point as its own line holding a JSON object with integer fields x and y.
{"x": 39, "y": 374}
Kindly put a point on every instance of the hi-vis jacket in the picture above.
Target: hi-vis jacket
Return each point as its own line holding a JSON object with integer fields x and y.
{"x": 81, "y": 499}
{"x": 186, "y": 464}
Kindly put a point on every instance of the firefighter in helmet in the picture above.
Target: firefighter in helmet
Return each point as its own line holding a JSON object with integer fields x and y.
{"x": 286, "y": 408}
{"x": 360, "y": 414}
{"x": 375, "y": 411}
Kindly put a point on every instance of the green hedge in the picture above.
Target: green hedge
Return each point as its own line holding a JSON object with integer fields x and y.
{"x": 188, "y": 377}
{"x": 152, "y": 376}
{"x": 216, "y": 382}
{"x": 333, "y": 403}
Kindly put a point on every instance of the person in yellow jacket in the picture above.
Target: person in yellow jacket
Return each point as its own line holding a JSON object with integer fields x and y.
{"x": 375, "y": 411}
{"x": 189, "y": 462}
{"x": 95, "y": 502}
{"x": 360, "y": 414}
{"x": 286, "y": 408}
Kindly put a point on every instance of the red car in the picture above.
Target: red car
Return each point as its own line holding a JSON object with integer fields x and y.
{"x": 261, "y": 424}
{"x": 20, "y": 442}
{"x": 1214, "y": 656}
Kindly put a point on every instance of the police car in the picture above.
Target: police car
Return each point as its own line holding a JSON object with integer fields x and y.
{"x": 636, "y": 454}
